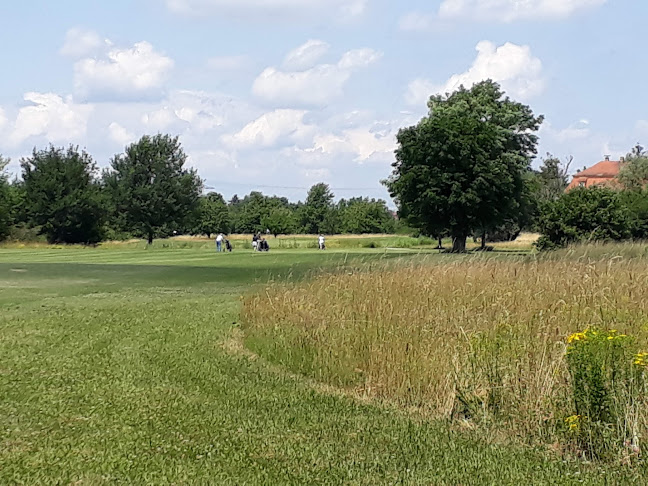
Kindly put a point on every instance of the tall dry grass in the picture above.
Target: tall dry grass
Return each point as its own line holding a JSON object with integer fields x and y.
{"x": 481, "y": 339}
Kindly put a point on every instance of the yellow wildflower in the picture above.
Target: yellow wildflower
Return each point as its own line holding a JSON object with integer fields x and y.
{"x": 641, "y": 359}
{"x": 573, "y": 422}
{"x": 577, "y": 336}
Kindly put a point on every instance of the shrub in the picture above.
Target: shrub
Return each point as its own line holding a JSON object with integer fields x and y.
{"x": 594, "y": 214}
{"x": 607, "y": 382}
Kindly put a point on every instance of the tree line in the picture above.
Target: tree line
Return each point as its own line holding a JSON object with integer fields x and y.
{"x": 463, "y": 171}
{"x": 148, "y": 192}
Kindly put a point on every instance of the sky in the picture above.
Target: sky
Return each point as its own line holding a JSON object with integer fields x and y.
{"x": 277, "y": 95}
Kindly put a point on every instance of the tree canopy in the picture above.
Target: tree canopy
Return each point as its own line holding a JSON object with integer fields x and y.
{"x": 62, "y": 195}
{"x": 634, "y": 172}
{"x": 316, "y": 213}
{"x": 213, "y": 215}
{"x": 461, "y": 169}
{"x": 150, "y": 187}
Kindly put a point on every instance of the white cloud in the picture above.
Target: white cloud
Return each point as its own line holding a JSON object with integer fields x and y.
{"x": 52, "y": 117}
{"x": 271, "y": 129}
{"x": 79, "y": 43}
{"x": 345, "y": 8}
{"x": 513, "y": 66}
{"x": 120, "y": 135}
{"x": 134, "y": 73}
{"x": 196, "y": 111}
{"x": 512, "y": 10}
{"x": 365, "y": 143}
{"x": 306, "y": 55}
{"x": 315, "y": 86}
{"x": 228, "y": 63}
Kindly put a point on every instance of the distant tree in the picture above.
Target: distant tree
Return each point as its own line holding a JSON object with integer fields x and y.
{"x": 151, "y": 188}
{"x": 461, "y": 169}
{"x": 280, "y": 221}
{"x": 249, "y": 212}
{"x": 592, "y": 214}
{"x": 634, "y": 173}
{"x": 212, "y": 215}
{"x": 552, "y": 178}
{"x": 317, "y": 209}
{"x": 5, "y": 200}
{"x": 62, "y": 195}
{"x": 363, "y": 215}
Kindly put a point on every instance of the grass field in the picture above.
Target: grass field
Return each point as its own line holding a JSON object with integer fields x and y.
{"x": 127, "y": 367}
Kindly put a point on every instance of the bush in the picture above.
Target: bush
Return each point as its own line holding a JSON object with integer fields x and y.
{"x": 594, "y": 214}
{"x": 607, "y": 382}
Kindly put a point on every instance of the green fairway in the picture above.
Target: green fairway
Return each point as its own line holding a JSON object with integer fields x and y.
{"x": 125, "y": 366}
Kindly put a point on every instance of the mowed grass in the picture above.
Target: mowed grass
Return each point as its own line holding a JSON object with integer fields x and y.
{"x": 126, "y": 367}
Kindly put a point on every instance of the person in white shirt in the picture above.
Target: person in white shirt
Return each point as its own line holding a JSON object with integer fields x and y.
{"x": 219, "y": 242}
{"x": 322, "y": 246}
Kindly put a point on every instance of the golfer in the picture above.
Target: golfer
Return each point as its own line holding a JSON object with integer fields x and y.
{"x": 219, "y": 242}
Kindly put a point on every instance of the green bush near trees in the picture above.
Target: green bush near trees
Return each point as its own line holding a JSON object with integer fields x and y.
{"x": 594, "y": 214}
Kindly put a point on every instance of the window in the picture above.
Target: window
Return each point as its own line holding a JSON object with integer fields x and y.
{"x": 582, "y": 184}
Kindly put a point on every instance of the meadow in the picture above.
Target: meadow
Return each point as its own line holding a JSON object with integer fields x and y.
{"x": 129, "y": 366}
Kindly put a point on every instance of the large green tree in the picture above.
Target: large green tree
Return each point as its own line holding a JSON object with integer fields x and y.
{"x": 280, "y": 221}
{"x": 462, "y": 168}
{"x": 249, "y": 214}
{"x": 150, "y": 188}
{"x": 360, "y": 215}
{"x": 212, "y": 215}
{"x": 62, "y": 195}
{"x": 317, "y": 212}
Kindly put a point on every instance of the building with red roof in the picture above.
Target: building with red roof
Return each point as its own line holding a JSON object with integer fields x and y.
{"x": 604, "y": 173}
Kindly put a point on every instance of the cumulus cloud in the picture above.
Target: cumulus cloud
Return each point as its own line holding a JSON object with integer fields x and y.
{"x": 513, "y": 66}
{"x": 79, "y": 43}
{"x": 120, "y": 135}
{"x": 52, "y": 117}
{"x": 130, "y": 74}
{"x": 306, "y": 55}
{"x": 197, "y": 111}
{"x": 315, "y": 86}
{"x": 502, "y": 11}
{"x": 346, "y": 8}
{"x": 364, "y": 143}
{"x": 271, "y": 129}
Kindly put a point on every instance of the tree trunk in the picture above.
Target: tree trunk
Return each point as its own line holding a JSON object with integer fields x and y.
{"x": 483, "y": 240}
{"x": 150, "y": 238}
{"x": 440, "y": 247}
{"x": 459, "y": 244}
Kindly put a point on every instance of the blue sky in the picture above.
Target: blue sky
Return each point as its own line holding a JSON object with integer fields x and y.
{"x": 276, "y": 95}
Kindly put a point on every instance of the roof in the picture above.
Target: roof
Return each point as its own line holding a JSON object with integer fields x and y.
{"x": 603, "y": 173}
{"x": 604, "y": 169}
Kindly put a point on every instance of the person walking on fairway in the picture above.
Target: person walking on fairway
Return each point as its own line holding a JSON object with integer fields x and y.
{"x": 219, "y": 242}
{"x": 321, "y": 242}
